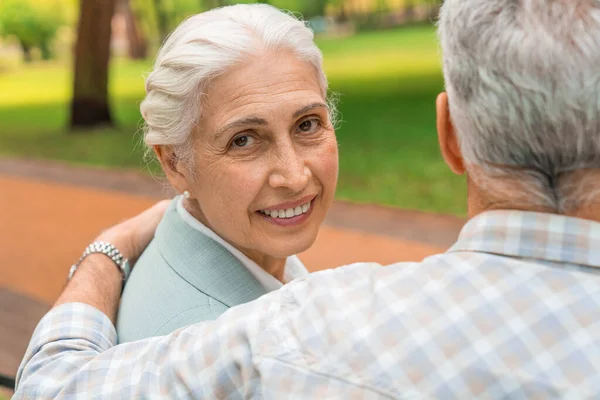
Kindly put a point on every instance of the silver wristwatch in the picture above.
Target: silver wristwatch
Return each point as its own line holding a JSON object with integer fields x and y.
{"x": 110, "y": 251}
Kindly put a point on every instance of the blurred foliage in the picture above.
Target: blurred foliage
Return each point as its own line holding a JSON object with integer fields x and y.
{"x": 308, "y": 9}
{"x": 158, "y": 17}
{"x": 387, "y": 82}
{"x": 35, "y": 23}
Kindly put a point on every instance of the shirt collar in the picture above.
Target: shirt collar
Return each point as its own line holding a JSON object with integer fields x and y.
{"x": 293, "y": 266}
{"x": 541, "y": 236}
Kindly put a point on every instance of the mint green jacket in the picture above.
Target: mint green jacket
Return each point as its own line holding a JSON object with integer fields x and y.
{"x": 183, "y": 277}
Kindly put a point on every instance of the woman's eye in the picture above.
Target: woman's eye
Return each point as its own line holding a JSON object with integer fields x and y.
{"x": 243, "y": 141}
{"x": 310, "y": 125}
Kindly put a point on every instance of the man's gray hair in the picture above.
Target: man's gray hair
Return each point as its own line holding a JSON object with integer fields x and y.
{"x": 523, "y": 81}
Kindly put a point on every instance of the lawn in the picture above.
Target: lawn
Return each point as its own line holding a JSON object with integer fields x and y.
{"x": 387, "y": 83}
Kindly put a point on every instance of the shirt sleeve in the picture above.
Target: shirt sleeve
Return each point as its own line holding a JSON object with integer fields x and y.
{"x": 73, "y": 352}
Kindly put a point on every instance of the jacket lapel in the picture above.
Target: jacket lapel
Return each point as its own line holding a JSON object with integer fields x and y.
{"x": 204, "y": 263}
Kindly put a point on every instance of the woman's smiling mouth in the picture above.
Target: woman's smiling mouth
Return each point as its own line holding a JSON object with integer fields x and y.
{"x": 289, "y": 212}
{"x": 291, "y": 215}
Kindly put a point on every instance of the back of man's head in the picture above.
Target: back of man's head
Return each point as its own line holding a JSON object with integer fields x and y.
{"x": 523, "y": 83}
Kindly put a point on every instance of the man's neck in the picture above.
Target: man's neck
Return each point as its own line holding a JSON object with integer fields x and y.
{"x": 586, "y": 207}
{"x": 591, "y": 212}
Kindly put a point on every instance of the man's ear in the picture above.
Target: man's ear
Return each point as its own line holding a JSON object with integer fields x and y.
{"x": 447, "y": 136}
{"x": 172, "y": 167}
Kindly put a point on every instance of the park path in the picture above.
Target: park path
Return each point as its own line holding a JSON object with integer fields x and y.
{"x": 50, "y": 211}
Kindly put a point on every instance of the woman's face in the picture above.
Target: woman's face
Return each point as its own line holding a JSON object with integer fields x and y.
{"x": 266, "y": 159}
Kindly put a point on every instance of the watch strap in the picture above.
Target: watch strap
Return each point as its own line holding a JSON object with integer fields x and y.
{"x": 108, "y": 250}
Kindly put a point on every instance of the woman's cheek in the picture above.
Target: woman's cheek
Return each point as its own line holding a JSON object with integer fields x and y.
{"x": 243, "y": 184}
{"x": 329, "y": 159}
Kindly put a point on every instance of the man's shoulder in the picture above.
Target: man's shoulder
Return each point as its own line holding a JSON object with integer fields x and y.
{"x": 466, "y": 315}
{"x": 351, "y": 278}
{"x": 363, "y": 276}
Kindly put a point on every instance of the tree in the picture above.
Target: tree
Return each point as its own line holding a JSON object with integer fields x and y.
{"x": 89, "y": 106}
{"x": 308, "y": 9}
{"x": 162, "y": 19}
{"x": 33, "y": 24}
{"x": 409, "y": 9}
{"x": 209, "y": 4}
{"x": 137, "y": 46}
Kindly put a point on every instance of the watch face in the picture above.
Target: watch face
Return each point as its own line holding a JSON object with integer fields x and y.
{"x": 126, "y": 269}
{"x": 72, "y": 271}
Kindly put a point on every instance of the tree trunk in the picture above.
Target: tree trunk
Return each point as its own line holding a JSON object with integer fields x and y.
{"x": 137, "y": 47}
{"x": 89, "y": 106}
{"x": 45, "y": 50}
{"x": 216, "y": 3}
{"x": 162, "y": 20}
{"x": 409, "y": 10}
{"x": 434, "y": 9}
{"x": 26, "y": 49}
{"x": 342, "y": 16}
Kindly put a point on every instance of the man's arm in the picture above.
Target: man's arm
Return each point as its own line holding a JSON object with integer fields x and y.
{"x": 98, "y": 282}
{"x": 73, "y": 354}
{"x": 73, "y": 350}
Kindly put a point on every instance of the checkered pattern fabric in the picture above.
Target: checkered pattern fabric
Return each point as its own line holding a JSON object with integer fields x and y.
{"x": 511, "y": 311}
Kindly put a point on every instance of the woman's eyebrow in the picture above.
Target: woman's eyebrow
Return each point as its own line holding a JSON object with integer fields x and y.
{"x": 260, "y": 121}
{"x": 308, "y": 108}
{"x": 240, "y": 123}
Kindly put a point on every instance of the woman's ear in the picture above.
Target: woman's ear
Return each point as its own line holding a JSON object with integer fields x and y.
{"x": 172, "y": 167}
{"x": 447, "y": 136}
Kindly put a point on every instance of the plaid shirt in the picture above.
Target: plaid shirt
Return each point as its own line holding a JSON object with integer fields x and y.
{"x": 511, "y": 311}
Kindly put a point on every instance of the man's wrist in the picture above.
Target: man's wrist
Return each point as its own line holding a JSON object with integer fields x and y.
{"x": 102, "y": 268}
{"x": 110, "y": 251}
{"x": 97, "y": 283}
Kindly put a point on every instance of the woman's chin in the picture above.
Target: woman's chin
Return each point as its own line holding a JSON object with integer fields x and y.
{"x": 289, "y": 246}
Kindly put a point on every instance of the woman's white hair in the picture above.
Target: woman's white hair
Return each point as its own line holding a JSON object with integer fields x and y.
{"x": 523, "y": 81}
{"x": 205, "y": 46}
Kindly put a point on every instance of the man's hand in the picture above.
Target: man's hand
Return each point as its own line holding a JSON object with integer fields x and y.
{"x": 98, "y": 281}
{"x": 133, "y": 235}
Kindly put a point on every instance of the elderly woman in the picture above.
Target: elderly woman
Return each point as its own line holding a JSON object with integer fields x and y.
{"x": 236, "y": 112}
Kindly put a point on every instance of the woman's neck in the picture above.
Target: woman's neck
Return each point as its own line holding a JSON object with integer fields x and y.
{"x": 273, "y": 266}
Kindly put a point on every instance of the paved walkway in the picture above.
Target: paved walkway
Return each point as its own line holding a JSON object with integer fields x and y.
{"x": 49, "y": 212}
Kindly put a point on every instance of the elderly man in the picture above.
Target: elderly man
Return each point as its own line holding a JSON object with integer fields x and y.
{"x": 511, "y": 311}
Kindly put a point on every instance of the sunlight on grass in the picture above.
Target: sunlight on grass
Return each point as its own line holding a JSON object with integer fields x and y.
{"x": 51, "y": 83}
{"x": 39, "y": 84}
{"x": 380, "y": 55}
{"x": 387, "y": 83}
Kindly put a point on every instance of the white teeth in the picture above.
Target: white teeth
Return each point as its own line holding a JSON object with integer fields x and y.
{"x": 288, "y": 213}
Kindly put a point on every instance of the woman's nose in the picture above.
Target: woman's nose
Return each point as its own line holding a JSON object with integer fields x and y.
{"x": 291, "y": 173}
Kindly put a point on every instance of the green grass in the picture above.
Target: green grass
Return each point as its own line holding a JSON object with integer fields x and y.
{"x": 387, "y": 82}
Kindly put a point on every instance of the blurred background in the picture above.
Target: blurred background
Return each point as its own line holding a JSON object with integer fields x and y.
{"x": 70, "y": 100}
{"x": 72, "y": 161}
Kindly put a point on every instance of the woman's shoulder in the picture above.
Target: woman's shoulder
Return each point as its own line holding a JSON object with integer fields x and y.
{"x": 156, "y": 298}
{"x": 182, "y": 277}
